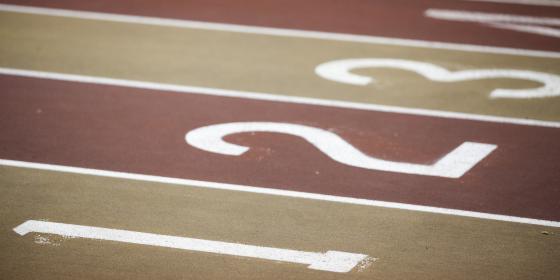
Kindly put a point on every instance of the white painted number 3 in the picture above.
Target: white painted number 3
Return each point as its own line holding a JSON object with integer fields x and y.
{"x": 452, "y": 165}
{"x": 339, "y": 71}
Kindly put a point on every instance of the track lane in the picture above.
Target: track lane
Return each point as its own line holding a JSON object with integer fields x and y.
{"x": 400, "y": 19}
{"x": 429, "y": 246}
{"x": 142, "y": 131}
{"x": 126, "y": 130}
{"x": 274, "y": 65}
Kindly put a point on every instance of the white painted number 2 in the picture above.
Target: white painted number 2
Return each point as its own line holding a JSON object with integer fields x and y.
{"x": 339, "y": 71}
{"x": 452, "y": 165}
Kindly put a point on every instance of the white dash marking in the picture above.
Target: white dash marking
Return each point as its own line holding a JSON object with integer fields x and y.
{"x": 333, "y": 261}
{"x": 490, "y": 17}
{"x": 528, "y": 24}
{"x": 277, "y": 192}
{"x": 541, "y": 30}
{"x": 552, "y": 3}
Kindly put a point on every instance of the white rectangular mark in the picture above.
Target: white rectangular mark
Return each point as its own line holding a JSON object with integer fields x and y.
{"x": 333, "y": 261}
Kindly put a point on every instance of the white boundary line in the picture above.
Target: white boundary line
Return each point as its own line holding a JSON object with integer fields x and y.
{"x": 523, "y": 2}
{"x": 277, "y": 192}
{"x": 271, "y": 97}
{"x": 273, "y": 31}
{"x": 333, "y": 261}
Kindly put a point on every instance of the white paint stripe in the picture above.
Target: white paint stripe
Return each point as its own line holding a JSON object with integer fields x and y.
{"x": 535, "y": 29}
{"x": 489, "y": 17}
{"x": 272, "y": 97}
{"x": 523, "y": 2}
{"x": 273, "y": 31}
{"x": 277, "y": 192}
{"x": 333, "y": 261}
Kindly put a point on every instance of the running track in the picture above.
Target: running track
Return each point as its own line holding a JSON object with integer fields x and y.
{"x": 108, "y": 94}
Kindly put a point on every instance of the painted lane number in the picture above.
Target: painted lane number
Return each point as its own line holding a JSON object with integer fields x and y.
{"x": 333, "y": 261}
{"x": 340, "y": 71}
{"x": 452, "y": 165}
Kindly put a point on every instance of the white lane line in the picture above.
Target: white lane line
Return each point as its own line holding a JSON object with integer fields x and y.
{"x": 552, "y": 3}
{"x": 489, "y": 17}
{"x": 277, "y": 192}
{"x": 273, "y": 31}
{"x": 271, "y": 97}
{"x": 333, "y": 261}
{"x": 535, "y": 29}
{"x": 528, "y": 24}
